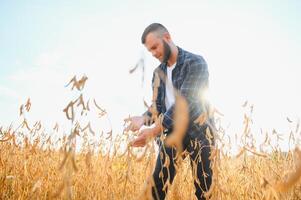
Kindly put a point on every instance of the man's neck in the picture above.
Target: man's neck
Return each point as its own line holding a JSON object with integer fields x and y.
{"x": 173, "y": 56}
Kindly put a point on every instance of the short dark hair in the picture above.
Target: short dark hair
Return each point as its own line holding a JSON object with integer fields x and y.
{"x": 154, "y": 27}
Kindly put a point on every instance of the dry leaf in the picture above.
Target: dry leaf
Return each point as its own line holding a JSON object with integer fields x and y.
{"x": 181, "y": 120}
{"x": 78, "y": 84}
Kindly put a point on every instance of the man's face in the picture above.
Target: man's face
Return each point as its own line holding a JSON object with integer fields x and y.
{"x": 158, "y": 47}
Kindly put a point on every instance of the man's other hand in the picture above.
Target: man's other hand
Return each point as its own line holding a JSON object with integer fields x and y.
{"x": 135, "y": 123}
{"x": 144, "y": 136}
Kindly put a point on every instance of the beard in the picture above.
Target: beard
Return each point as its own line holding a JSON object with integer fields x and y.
{"x": 167, "y": 52}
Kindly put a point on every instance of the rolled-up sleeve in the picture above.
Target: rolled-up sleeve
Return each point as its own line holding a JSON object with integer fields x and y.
{"x": 156, "y": 105}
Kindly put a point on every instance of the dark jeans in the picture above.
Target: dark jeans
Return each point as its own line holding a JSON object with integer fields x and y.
{"x": 199, "y": 149}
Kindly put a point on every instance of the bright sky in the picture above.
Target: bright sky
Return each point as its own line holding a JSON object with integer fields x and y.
{"x": 252, "y": 50}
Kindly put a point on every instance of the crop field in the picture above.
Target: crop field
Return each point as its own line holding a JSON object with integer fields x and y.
{"x": 40, "y": 164}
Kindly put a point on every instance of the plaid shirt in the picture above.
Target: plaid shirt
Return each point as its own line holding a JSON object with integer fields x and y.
{"x": 190, "y": 79}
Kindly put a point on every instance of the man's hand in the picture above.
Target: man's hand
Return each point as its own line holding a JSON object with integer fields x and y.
{"x": 136, "y": 123}
{"x": 145, "y": 135}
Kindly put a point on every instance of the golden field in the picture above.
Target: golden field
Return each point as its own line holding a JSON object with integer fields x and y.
{"x": 35, "y": 170}
{"x": 36, "y": 164}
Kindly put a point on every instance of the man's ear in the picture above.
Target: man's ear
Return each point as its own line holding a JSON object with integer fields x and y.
{"x": 167, "y": 37}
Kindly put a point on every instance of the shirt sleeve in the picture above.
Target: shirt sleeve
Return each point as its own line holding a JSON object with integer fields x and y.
{"x": 155, "y": 107}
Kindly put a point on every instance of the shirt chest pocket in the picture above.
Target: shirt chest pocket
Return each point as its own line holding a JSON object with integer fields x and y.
{"x": 178, "y": 80}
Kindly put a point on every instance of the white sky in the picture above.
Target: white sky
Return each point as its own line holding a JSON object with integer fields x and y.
{"x": 252, "y": 50}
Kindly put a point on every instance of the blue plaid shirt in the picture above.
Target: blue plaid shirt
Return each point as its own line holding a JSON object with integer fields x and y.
{"x": 190, "y": 78}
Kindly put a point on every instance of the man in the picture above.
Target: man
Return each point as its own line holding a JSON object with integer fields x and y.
{"x": 187, "y": 73}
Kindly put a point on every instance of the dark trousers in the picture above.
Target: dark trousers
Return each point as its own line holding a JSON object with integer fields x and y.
{"x": 199, "y": 150}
